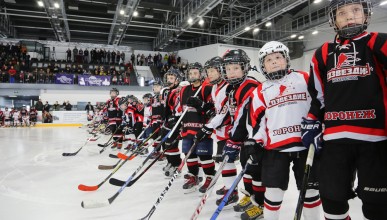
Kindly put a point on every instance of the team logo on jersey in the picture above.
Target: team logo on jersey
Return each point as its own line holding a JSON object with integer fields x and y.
{"x": 290, "y": 98}
{"x": 346, "y": 68}
{"x": 282, "y": 89}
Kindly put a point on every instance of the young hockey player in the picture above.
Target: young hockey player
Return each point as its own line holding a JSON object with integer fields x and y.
{"x": 33, "y": 116}
{"x": 115, "y": 117}
{"x": 16, "y": 117}
{"x": 283, "y": 94}
{"x": 192, "y": 122}
{"x": 170, "y": 96}
{"x": 1, "y": 118}
{"x": 157, "y": 113}
{"x": 25, "y": 116}
{"x": 146, "y": 100}
{"x": 349, "y": 96}
{"x": 235, "y": 70}
{"x": 220, "y": 124}
{"x": 7, "y": 117}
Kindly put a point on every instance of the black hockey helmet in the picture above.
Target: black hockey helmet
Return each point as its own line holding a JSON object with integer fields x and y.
{"x": 123, "y": 103}
{"x": 123, "y": 100}
{"x": 196, "y": 66}
{"x": 216, "y": 63}
{"x": 353, "y": 30}
{"x": 236, "y": 57}
{"x": 115, "y": 90}
{"x": 174, "y": 72}
{"x": 131, "y": 99}
{"x": 147, "y": 95}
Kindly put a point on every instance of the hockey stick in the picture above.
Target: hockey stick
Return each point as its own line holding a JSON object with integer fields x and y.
{"x": 161, "y": 197}
{"x": 308, "y": 168}
{"x": 93, "y": 188}
{"x": 130, "y": 157}
{"x": 209, "y": 190}
{"x": 233, "y": 186}
{"x": 98, "y": 204}
{"x": 75, "y": 153}
{"x": 105, "y": 145}
{"x": 140, "y": 135}
{"x": 118, "y": 182}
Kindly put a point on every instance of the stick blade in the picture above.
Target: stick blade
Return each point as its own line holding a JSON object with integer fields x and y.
{"x": 113, "y": 156}
{"x": 87, "y": 188}
{"x": 106, "y": 167}
{"x": 94, "y": 204}
{"x": 100, "y": 145}
{"x": 117, "y": 182}
{"x": 122, "y": 156}
{"x": 68, "y": 154}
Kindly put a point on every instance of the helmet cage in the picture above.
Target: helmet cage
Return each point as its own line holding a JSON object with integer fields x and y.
{"x": 354, "y": 30}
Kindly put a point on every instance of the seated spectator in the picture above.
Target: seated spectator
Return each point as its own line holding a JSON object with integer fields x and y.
{"x": 68, "y": 106}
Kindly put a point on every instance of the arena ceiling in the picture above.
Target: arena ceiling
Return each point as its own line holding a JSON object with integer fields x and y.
{"x": 163, "y": 24}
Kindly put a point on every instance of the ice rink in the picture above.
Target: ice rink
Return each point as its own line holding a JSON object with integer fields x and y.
{"x": 38, "y": 183}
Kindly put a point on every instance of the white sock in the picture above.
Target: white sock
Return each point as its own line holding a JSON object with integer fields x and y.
{"x": 273, "y": 201}
{"x": 312, "y": 205}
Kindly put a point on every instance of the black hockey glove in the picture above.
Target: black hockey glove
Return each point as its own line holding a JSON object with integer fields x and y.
{"x": 172, "y": 121}
{"x": 311, "y": 133}
{"x": 232, "y": 149}
{"x": 203, "y": 132}
{"x": 253, "y": 150}
{"x": 195, "y": 102}
{"x": 209, "y": 110}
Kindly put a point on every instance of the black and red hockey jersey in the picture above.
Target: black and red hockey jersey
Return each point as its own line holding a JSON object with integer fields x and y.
{"x": 171, "y": 100}
{"x": 114, "y": 113}
{"x": 24, "y": 113}
{"x": 348, "y": 88}
{"x": 238, "y": 106}
{"x": 193, "y": 120}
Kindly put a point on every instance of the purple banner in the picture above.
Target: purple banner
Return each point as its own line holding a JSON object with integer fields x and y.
{"x": 90, "y": 80}
{"x": 62, "y": 78}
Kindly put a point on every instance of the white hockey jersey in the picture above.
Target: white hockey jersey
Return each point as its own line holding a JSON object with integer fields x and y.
{"x": 276, "y": 112}
{"x": 221, "y": 123}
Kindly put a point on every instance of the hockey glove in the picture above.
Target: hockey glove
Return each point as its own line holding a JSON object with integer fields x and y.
{"x": 172, "y": 121}
{"x": 231, "y": 149}
{"x": 202, "y": 133}
{"x": 311, "y": 133}
{"x": 253, "y": 150}
{"x": 195, "y": 102}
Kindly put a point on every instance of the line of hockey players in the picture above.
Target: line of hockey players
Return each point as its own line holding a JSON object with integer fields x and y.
{"x": 18, "y": 117}
{"x": 274, "y": 123}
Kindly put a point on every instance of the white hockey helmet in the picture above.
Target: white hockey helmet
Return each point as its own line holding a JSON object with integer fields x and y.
{"x": 269, "y": 48}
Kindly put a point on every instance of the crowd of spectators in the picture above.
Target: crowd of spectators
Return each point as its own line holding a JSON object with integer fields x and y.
{"x": 15, "y": 65}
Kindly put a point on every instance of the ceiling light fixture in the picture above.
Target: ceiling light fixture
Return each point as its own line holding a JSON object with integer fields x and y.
{"x": 135, "y": 13}
{"x": 122, "y": 12}
{"x": 383, "y": 3}
{"x": 315, "y": 32}
{"x": 316, "y": 1}
{"x": 247, "y": 28}
{"x": 201, "y": 21}
{"x": 56, "y": 5}
{"x": 293, "y": 36}
{"x": 301, "y": 37}
{"x": 40, "y": 3}
{"x": 256, "y": 30}
{"x": 268, "y": 24}
{"x": 190, "y": 20}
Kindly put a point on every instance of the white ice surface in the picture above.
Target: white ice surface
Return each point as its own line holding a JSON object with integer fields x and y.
{"x": 38, "y": 183}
